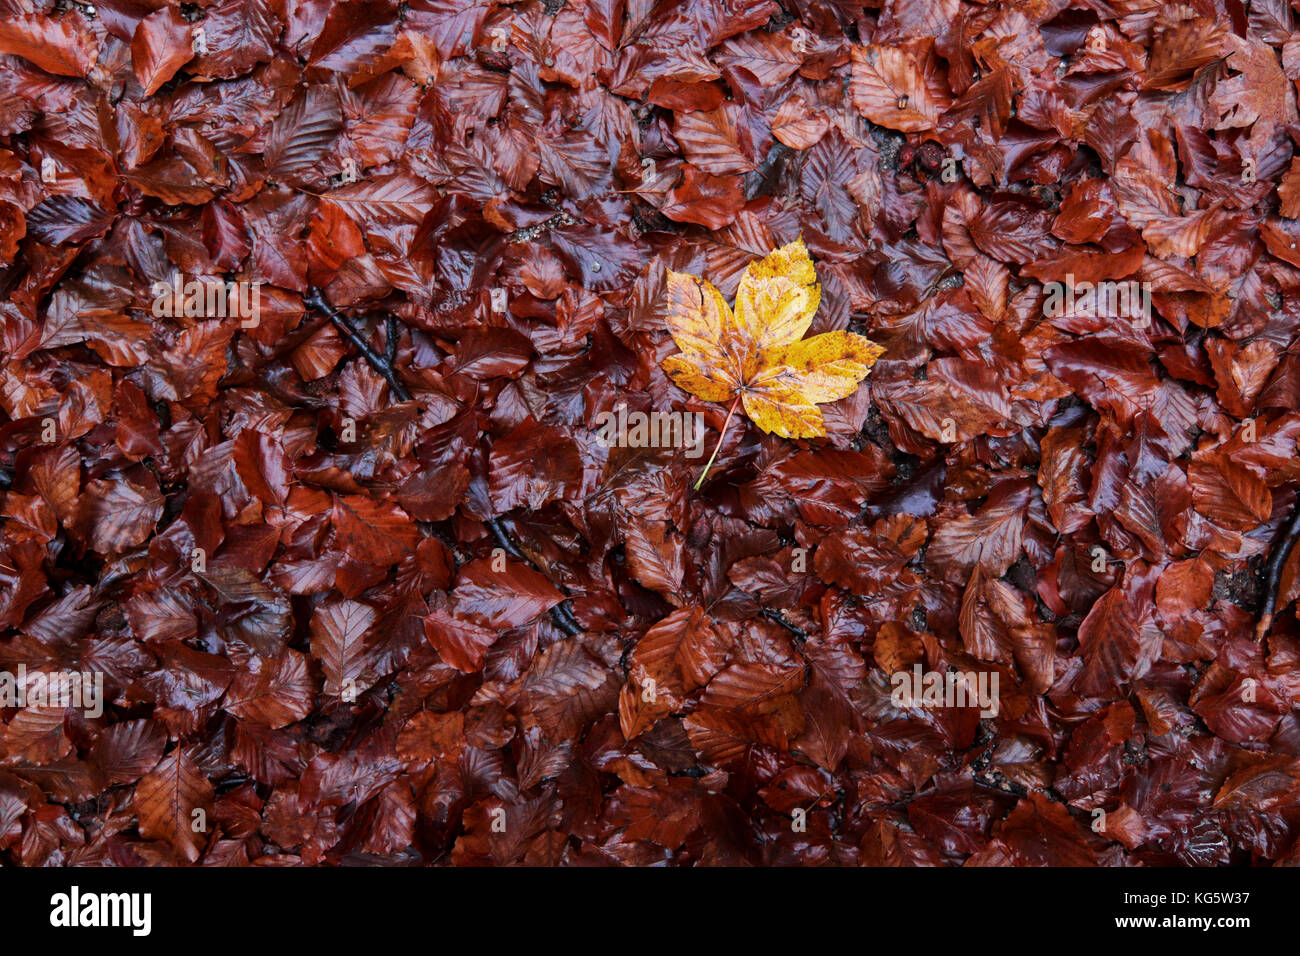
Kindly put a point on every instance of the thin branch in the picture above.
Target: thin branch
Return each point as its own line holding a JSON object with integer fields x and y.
{"x": 1273, "y": 571}
{"x": 779, "y": 618}
{"x": 316, "y": 300}
{"x": 564, "y": 619}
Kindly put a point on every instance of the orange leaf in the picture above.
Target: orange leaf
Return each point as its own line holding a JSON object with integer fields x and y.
{"x": 758, "y": 352}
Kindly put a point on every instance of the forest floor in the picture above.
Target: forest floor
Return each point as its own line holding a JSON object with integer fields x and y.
{"x": 347, "y": 492}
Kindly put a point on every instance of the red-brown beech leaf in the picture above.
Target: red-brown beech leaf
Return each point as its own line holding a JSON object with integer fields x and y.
{"x": 828, "y": 724}
{"x": 338, "y": 641}
{"x": 35, "y": 737}
{"x": 753, "y": 688}
{"x": 161, "y": 45}
{"x": 771, "y": 57}
{"x": 302, "y": 133}
{"x": 718, "y": 142}
{"x": 249, "y": 610}
{"x": 1229, "y": 494}
{"x": 118, "y": 514}
{"x": 1264, "y": 784}
{"x": 427, "y": 737}
{"x": 1184, "y": 587}
{"x": 1182, "y": 49}
{"x": 1118, "y": 640}
{"x": 676, "y": 656}
{"x": 655, "y": 558}
{"x": 355, "y": 33}
{"x": 1041, "y": 832}
{"x": 665, "y": 816}
{"x": 499, "y": 593}
{"x": 709, "y": 201}
{"x": 1061, "y": 477}
{"x": 125, "y": 752}
{"x": 898, "y": 86}
{"x": 461, "y": 643}
{"x": 567, "y": 687}
{"x": 240, "y": 34}
{"x": 525, "y": 835}
{"x": 14, "y": 224}
{"x": 1288, "y": 191}
{"x": 1013, "y": 232}
{"x": 60, "y": 45}
{"x": 398, "y": 196}
{"x": 997, "y": 624}
{"x": 275, "y": 691}
{"x": 67, "y": 219}
{"x": 797, "y": 125}
{"x": 532, "y": 465}
{"x": 173, "y": 803}
{"x": 376, "y": 532}
{"x": 167, "y": 614}
{"x": 991, "y": 537}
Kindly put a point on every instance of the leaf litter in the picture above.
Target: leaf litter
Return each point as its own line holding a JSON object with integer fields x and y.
{"x": 313, "y": 313}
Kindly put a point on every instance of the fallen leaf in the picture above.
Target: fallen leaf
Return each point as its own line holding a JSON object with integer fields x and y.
{"x": 757, "y": 353}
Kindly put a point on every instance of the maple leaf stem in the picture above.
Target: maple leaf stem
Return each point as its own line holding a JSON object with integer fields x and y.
{"x": 718, "y": 447}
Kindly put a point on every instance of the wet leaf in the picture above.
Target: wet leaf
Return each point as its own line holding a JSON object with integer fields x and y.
{"x": 757, "y": 352}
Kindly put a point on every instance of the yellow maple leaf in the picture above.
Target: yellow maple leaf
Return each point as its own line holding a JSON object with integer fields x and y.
{"x": 755, "y": 354}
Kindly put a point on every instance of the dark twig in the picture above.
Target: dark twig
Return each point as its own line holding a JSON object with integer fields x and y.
{"x": 779, "y": 618}
{"x": 1273, "y": 571}
{"x": 564, "y": 619}
{"x": 560, "y": 614}
{"x": 316, "y": 300}
{"x": 390, "y": 339}
{"x": 503, "y": 539}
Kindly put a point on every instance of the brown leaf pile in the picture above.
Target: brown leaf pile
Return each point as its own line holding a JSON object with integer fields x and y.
{"x": 337, "y": 626}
